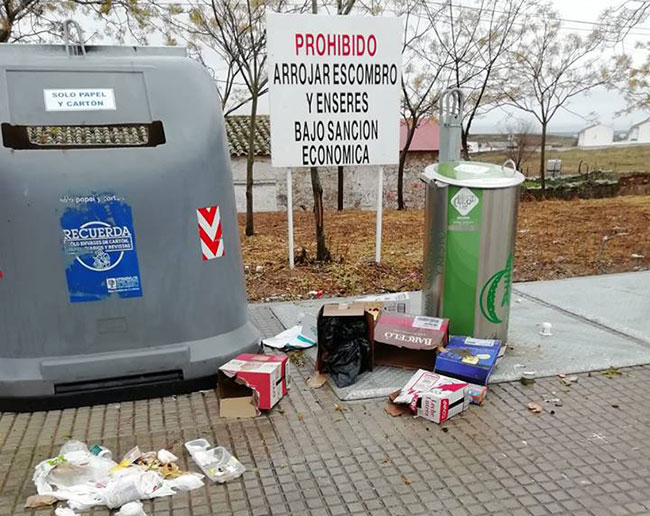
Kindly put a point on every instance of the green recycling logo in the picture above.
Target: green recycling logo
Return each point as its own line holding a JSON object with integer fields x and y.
{"x": 489, "y": 292}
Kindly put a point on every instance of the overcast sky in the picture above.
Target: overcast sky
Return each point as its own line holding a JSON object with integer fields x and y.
{"x": 601, "y": 101}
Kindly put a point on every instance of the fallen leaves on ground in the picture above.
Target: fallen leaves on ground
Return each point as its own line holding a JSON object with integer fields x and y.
{"x": 317, "y": 381}
{"x": 555, "y": 239}
{"x": 405, "y": 480}
{"x": 297, "y": 358}
{"x": 535, "y": 408}
{"x": 340, "y": 407}
{"x": 612, "y": 372}
{"x": 301, "y": 416}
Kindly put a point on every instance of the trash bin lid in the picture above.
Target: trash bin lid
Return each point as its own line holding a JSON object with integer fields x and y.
{"x": 474, "y": 174}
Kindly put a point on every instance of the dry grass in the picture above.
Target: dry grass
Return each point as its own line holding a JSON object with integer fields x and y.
{"x": 556, "y": 239}
{"x": 617, "y": 159}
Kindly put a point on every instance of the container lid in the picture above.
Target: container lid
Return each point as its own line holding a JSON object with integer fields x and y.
{"x": 475, "y": 174}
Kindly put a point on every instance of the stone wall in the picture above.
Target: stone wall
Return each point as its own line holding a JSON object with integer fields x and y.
{"x": 360, "y": 185}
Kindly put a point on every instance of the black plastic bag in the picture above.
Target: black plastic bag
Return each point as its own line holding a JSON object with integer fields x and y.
{"x": 346, "y": 348}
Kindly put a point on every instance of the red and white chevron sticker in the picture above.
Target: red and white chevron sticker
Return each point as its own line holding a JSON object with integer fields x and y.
{"x": 210, "y": 232}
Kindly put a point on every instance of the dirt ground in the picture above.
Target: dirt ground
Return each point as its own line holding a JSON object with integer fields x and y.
{"x": 555, "y": 239}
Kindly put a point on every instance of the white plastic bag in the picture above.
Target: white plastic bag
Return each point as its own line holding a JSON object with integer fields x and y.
{"x": 134, "y": 484}
{"x": 131, "y": 509}
{"x": 64, "y": 511}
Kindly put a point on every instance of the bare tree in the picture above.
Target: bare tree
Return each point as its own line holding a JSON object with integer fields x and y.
{"x": 476, "y": 36}
{"x": 422, "y": 67}
{"x": 521, "y": 142}
{"x": 552, "y": 68}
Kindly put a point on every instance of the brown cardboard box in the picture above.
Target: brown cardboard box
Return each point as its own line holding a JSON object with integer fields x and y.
{"x": 348, "y": 310}
{"x": 409, "y": 341}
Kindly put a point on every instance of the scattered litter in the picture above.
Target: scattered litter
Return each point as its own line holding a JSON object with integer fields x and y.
{"x": 535, "y": 408}
{"x": 546, "y": 329}
{"x": 36, "y": 501}
{"x": 64, "y": 511}
{"x": 385, "y": 460}
{"x": 86, "y": 480}
{"x": 433, "y": 396}
{"x": 611, "y": 372}
{"x": 519, "y": 366}
{"x": 317, "y": 381}
{"x": 399, "y": 302}
{"x": 410, "y": 342}
{"x": 217, "y": 463}
{"x": 345, "y": 334}
{"x": 469, "y": 359}
{"x": 405, "y": 480}
{"x": 259, "y": 268}
{"x": 301, "y": 416}
{"x": 297, "y": 358}
{"x": 315, "y": 293}
{"x": 528, "y": 377}
{"x": 476, "y": 393}
{"x": 614, "y": 405}
{"x": 568, "y": 380}
{"x": 131, "y": 509}
{"x": 100, "y": 451}
{"x": 250, "y": 383}
{"x": 301, "y": 336}
{"x": 637, "y": 256}
{"x": 340, "y": 407}
{"x": 555, "y": 401}
{"x": 166, "y": 456}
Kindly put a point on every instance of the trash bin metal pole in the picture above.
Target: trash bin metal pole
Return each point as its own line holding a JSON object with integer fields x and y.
{"x": 380, "y": 213}
{"x": 495, "y": 266}
{"x": 290, "y": 216}
{"x": 435, "y": 238}
{"x": 451, "y": 119}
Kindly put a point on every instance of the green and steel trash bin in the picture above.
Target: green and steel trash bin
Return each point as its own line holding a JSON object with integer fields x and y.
{"x": 470, "y": 229}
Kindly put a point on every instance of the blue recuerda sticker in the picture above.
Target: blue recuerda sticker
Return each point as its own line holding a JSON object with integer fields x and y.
{"x": 99, "y": 244}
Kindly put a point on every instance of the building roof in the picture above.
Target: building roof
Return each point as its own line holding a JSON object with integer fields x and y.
{"x": 237, "y": 133}
{"x": 640, "y": 123}
{"x": 426, "y": 137}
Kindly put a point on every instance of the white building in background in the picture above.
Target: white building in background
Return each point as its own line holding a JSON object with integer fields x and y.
{"x": 596, "y": 135}
{"x": 639, "y": 132}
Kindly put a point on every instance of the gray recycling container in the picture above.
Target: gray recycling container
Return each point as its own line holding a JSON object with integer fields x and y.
{"x": 469, "y": 238}
{"x": 120, "y": 257}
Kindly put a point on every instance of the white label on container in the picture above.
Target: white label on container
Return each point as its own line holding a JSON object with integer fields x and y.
{"x": 79, "y": 99}
{"x": 430, "y": 323}
{"x": 486, "y": 343}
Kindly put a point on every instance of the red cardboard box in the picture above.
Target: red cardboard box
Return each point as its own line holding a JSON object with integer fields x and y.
{"x": 409, "y": 341}
{"x": 433, "y": 396}
{"x": 250, "y": 383}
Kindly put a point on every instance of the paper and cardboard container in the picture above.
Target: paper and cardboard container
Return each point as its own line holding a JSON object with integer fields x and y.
{"x": 353, "y": 312}
{"x": 409, "y": 341}
{"x": 468, "y": 359}
{"x": 433, "y": 396}
{"x": 250, "y": 383}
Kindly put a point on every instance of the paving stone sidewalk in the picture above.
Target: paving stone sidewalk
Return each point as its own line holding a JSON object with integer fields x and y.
{"x": 312, "y": 456}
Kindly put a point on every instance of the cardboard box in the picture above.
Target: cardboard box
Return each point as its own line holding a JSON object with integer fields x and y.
{"x": 399, "y": 302}
{"x": 250, "y": 383}
{"x": 354, "y": 312}
{"x": 409, "y": 341}
{"x": 468, "y": 359}
{"x": 433, "y": 396}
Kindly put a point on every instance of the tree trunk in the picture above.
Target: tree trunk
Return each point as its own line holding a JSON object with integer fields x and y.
{"x": 542, "y": 160}
{"x": 340, "y": 189}
{"x": 250, "y": 161}
{"x": 322, "y": 253}
{"x": 464, "y": 147}
{"x": 410, "y": 132}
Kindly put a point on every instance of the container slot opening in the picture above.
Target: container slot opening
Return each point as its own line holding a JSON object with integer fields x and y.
{"x": 118, "y": 382}
{"x": 43, "y": 137}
